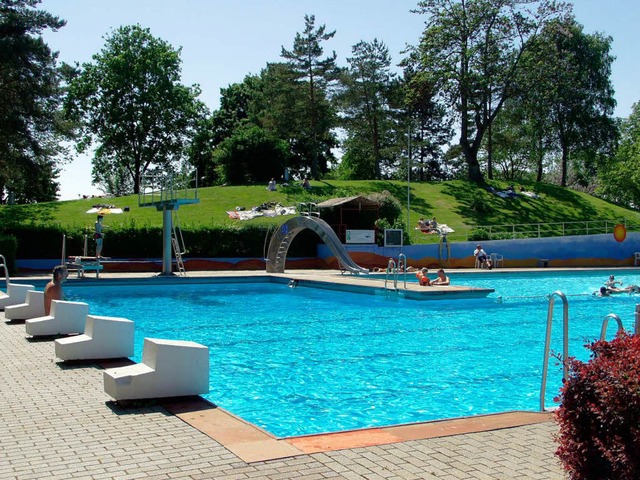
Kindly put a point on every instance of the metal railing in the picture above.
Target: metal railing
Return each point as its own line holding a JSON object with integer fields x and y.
{"x": 161, "y": 188}
{"x": 547, "y": 342}
{"x": 605, "y": 324}
{"x": 6, "y": 271}
{"x": 533, "y": 230}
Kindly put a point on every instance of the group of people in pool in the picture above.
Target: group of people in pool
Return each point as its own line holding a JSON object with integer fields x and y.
{"x": 422, "y": 274}
{"x": 613, "y": 286}
{"x": 425, "y": 281}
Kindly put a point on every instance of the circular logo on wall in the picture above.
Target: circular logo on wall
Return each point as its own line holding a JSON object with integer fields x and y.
{"x": 619, "y": 232}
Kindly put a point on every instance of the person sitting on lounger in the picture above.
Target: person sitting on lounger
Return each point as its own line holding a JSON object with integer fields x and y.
{"x": 423, "y": 278}
{"x": 53, "y": 289}
{"x": 442, "y": 278}
{"x": 422, "y": 225}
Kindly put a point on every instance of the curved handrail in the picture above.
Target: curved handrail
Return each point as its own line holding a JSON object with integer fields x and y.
{"x": 402, "y": 258}
{"x": 547, "y": 342}
{"x": 6, "y": 271}
{"x": 605, "y": 324}
{"x": 391, "y": 268}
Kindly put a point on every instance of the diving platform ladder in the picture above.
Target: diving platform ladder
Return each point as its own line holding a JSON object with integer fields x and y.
{"x": 177, "y": 241}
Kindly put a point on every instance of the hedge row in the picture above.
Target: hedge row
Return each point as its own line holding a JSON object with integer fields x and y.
{"x": 9, "y": 248}
{"x": 35, "y": 242}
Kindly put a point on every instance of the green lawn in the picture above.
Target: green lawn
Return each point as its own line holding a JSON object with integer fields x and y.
{"x": 454, "y": 203}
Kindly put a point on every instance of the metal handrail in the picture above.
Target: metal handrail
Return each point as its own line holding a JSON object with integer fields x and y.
{"x": 6, "y": 271}
{"x": 391, "y": 268}
{"x": 547, "y": 342}
{"x": 605, "y": 324}
{"x": 402, "y": 258}
{"x": 308, "y": 209}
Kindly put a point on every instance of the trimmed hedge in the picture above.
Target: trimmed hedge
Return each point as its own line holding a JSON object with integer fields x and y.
{"x": 9, "y": 248}
{"x": 132, "y": 241}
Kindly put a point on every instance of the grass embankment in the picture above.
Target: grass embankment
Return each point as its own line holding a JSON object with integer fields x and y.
{"x": 454, "y": 203}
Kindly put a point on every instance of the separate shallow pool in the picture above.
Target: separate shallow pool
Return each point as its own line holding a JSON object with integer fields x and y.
{"x": 301, "y": 360}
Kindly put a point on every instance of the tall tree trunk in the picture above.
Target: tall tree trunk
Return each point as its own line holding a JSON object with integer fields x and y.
{"x": 540, "y": 159}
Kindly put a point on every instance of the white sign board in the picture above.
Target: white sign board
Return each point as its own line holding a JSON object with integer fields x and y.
{"x": 360, "y": 236}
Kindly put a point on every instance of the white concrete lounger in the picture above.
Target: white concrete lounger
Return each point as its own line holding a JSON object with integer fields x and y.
{"x": 169, "y": 368}
{"x": 15, "y": 295}
{"x": 104, "y": 337}
{"x": 32, "y": 308}
{"x": 65, "y": 318}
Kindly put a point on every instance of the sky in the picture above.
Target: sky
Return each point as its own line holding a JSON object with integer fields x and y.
{"x": 222, "y": 41}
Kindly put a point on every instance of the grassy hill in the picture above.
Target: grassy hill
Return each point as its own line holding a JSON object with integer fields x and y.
{"x": 459, "y": 204}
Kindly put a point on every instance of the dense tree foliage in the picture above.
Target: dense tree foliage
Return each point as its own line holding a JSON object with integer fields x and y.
{"x": 134, "y": 107}
{"x": 528, "y": 92}
{"x": 308, "y": 66}
{"x": 620, "y": 182}
{"x": 367, "y": 111}
{"x": 427, "y": 124}
{"x": 471, "y": 51}
{"x": 566, "y": 91}
{"x": 31, "y": 127}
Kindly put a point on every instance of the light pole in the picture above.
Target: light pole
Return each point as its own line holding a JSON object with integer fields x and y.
{"x": 409, "y": 177}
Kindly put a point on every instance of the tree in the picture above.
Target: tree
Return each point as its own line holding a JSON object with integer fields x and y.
{"x": 567, "y": 91}
{"x": 471, "y": 51}
{"x": 134, "y": 106}
{"x": 366, "y": 108}
{"x": 31, "y": 127}
{"x": 620, "y": 182}
{"x": 250, "y": 155}
{"x": 307, "y": 66}
{"x": 427, "y": 124}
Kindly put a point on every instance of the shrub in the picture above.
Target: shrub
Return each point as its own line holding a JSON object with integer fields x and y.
{"x": 479, "y": 202}
{"x": 478, "y": 234}
{"x": 8, "y": 248}
{"x": 600, "y": 412}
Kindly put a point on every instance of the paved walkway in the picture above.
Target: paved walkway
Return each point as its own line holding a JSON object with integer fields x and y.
{"x": 56, "y": 422}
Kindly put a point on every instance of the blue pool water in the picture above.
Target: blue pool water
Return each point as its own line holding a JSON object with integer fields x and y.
{"x": 301, "y": 361}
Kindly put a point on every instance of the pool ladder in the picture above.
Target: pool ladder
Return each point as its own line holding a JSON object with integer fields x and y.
{"x": 565, "y": 338}
{"x": 393, "y": 269}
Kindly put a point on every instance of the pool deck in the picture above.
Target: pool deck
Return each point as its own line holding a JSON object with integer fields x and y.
{"x": 58, "y": 423}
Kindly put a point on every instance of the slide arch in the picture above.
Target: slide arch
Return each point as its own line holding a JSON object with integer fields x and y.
{"x": 283, "y": 236}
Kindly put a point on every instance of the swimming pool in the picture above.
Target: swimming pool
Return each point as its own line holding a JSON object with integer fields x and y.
{"x": 298, "y": 361}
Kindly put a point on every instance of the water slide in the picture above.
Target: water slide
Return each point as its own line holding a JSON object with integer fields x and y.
{"x": 282, "y": 238}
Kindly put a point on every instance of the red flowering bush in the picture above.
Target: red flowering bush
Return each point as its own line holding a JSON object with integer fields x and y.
{"x": 599, "y": 415}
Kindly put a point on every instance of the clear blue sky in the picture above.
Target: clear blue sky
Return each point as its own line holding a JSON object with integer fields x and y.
{"x": 224, "y": 40}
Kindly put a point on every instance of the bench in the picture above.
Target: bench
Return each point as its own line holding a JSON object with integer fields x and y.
{"x": 85, "y": 264}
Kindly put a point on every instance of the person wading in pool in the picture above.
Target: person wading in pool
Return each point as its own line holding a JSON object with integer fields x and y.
{"x": 423, "y": 279}
{"x": 442, "y": 278}
{"x": 53, "y": 290}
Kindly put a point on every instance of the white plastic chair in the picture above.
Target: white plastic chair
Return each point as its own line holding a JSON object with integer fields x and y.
{"x": 480, "y": 264}
{"x": 497, "y": 260}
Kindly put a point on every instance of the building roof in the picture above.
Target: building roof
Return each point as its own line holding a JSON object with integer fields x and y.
{"x": 356, "y": 202}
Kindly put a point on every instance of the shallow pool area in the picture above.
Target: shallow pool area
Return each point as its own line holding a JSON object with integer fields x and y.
{"x": 301, "y": 360}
